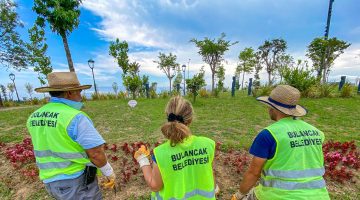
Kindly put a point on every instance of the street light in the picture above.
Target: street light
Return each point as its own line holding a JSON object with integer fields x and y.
{"x": 184, "y": 69}
{"x": 91, "y": 63}
{"x": 12, "y": 77}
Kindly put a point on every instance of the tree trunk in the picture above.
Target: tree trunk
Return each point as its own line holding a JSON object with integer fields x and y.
{"x": 324, "y": 73}
{"x": 133, "y": 94}
{"x": 1, "y": 102}
{"x": 269, "y": 79}
{"x": 170, "y": 85}
{"x": 67, "y": 51}
{"x": 242, "y": 83}
{"x": 212, "y": 81}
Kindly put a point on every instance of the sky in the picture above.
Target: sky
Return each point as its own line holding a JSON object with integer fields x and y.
{"x": 153, "y": 26}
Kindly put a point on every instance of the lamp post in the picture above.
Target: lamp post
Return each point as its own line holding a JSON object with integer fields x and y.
{"x": 184, "y": 69}
{"x": 91, "y": 63}
{"x": 12, "y": 77}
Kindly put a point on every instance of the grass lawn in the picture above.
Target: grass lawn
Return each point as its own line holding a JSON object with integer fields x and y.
{"x": 233, "y": 121}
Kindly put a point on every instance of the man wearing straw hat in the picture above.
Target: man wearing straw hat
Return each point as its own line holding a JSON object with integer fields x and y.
{"x": 67, "y": 147}
{"x": 287, "y": 155}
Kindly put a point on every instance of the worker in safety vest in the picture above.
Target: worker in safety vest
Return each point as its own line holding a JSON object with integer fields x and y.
{"x": 287, "y": 155}
{"x": 182, "y": 166}
{"x": 67, "y": 147}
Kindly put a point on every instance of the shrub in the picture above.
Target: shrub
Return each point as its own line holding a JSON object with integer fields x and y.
{"x": 300, "y": 78}
{"x": 10, "y": 104}
{"x": 346, "y": 90}
{"x": 326, "y": 90}
{"x": 35, "y": 101}
{"x": 204, "y": 93}
{"x": 94, "y": 96}
{"x": 164, "y": 94}
{"x": 153, "y": 94}
{"x": 111, "y": 96}
{"x": 122, "y": 95}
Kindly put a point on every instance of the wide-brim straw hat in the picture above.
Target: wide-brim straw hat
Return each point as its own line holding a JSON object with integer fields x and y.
{"x": 284, "y": 98}
{"x": 62, "y": 81}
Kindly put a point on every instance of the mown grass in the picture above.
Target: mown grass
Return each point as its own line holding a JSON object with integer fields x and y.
{"x": 233, "y": 121}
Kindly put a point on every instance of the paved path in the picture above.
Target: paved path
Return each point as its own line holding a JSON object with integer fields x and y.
{"x": 16, "y": 108}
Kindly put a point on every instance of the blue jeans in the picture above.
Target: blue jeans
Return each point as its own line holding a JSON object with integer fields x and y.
{"x": 74, "y": 189}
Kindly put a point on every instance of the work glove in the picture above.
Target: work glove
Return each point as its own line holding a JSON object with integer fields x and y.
{"x": 108, "y": 181}
{"x": 141, "y": 156}
{"x": 217, "y": 190}
{"x": 238, "y": 196}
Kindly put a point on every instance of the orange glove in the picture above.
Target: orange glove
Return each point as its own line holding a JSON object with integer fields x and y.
{"x": 238, "y": 196}
{"x": 109, "y": 182}
{"x": 141, "y": 155}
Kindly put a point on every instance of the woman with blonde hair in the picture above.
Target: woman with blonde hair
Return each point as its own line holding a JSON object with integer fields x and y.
{"x": 182, "y": 166}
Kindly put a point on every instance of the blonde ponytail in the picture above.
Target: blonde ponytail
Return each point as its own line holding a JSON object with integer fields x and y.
{"x": 181, "y": 114}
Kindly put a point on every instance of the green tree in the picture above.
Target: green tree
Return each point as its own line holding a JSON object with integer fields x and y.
{"x": 29, "y": 89}
{"x": 247, "y": 62}
{"x": 37, "y": 49}
{"x": 167, "y": 63}
{"x": 119, "y": 50}
{"x": 284, "y": 62}
{"x": 323, "y": 53}
{"x": 4, "y": 92}
{"x": 178, "y": 77}
{"x": 270, "y": 52}
{"x": 63, "y": 17}
{"x": 13, "y": 52}
{"x": 11, "y": 88}
{"x": 196, "y": 83}
{"x": 257, "y": 67}
{"x": 220, "y": 75}
{"x": 132, "y": 80}
{"x": 212, "y": 52}
{"x": 300, "y": 77}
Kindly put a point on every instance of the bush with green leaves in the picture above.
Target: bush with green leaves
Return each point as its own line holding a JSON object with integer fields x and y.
{"x": 164, "y": 94}
{"x": 133, "y": 84}
{"x": 204, "y": 93}
{"x": 300, "y": 78}
{"x": 196, "y": 83}
{"x": 346, "y": 90}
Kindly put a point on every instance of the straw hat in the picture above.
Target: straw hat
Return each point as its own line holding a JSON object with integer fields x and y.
{"x": 285, "y": 99}
{"x": 62, "y": 81}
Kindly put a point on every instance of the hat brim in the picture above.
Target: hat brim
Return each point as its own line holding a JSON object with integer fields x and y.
{"x": 50, "y": 89}
{"x": 298, "y": 111}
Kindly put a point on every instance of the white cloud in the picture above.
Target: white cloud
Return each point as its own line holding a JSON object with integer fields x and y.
{"x": 122, "y": 19}
{"x": 348, "y": 64}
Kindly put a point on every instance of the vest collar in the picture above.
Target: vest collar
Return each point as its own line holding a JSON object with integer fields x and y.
{"x": 74, "y": 104}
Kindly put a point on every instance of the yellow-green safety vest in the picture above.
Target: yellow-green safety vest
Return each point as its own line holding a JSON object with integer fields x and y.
{"x": 297, "y": 168}
{"x": 55, "y": 152}
{"x": 186, "y": 169}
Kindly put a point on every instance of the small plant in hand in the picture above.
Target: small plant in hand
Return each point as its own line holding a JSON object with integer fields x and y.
{"x": 341, "y": 160}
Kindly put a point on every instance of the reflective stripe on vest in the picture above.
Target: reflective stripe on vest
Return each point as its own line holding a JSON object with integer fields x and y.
{"x": 178, "y": 168}
{"x": 193, "y": 193}
{"x": 48, "y": 153}
{"x": 295, "y": 173}
{"x": 296, "y": 170}
{"x": 55, "y": 152}
{"x": 51, "y": 165}
{"x": 293, "y": 185}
